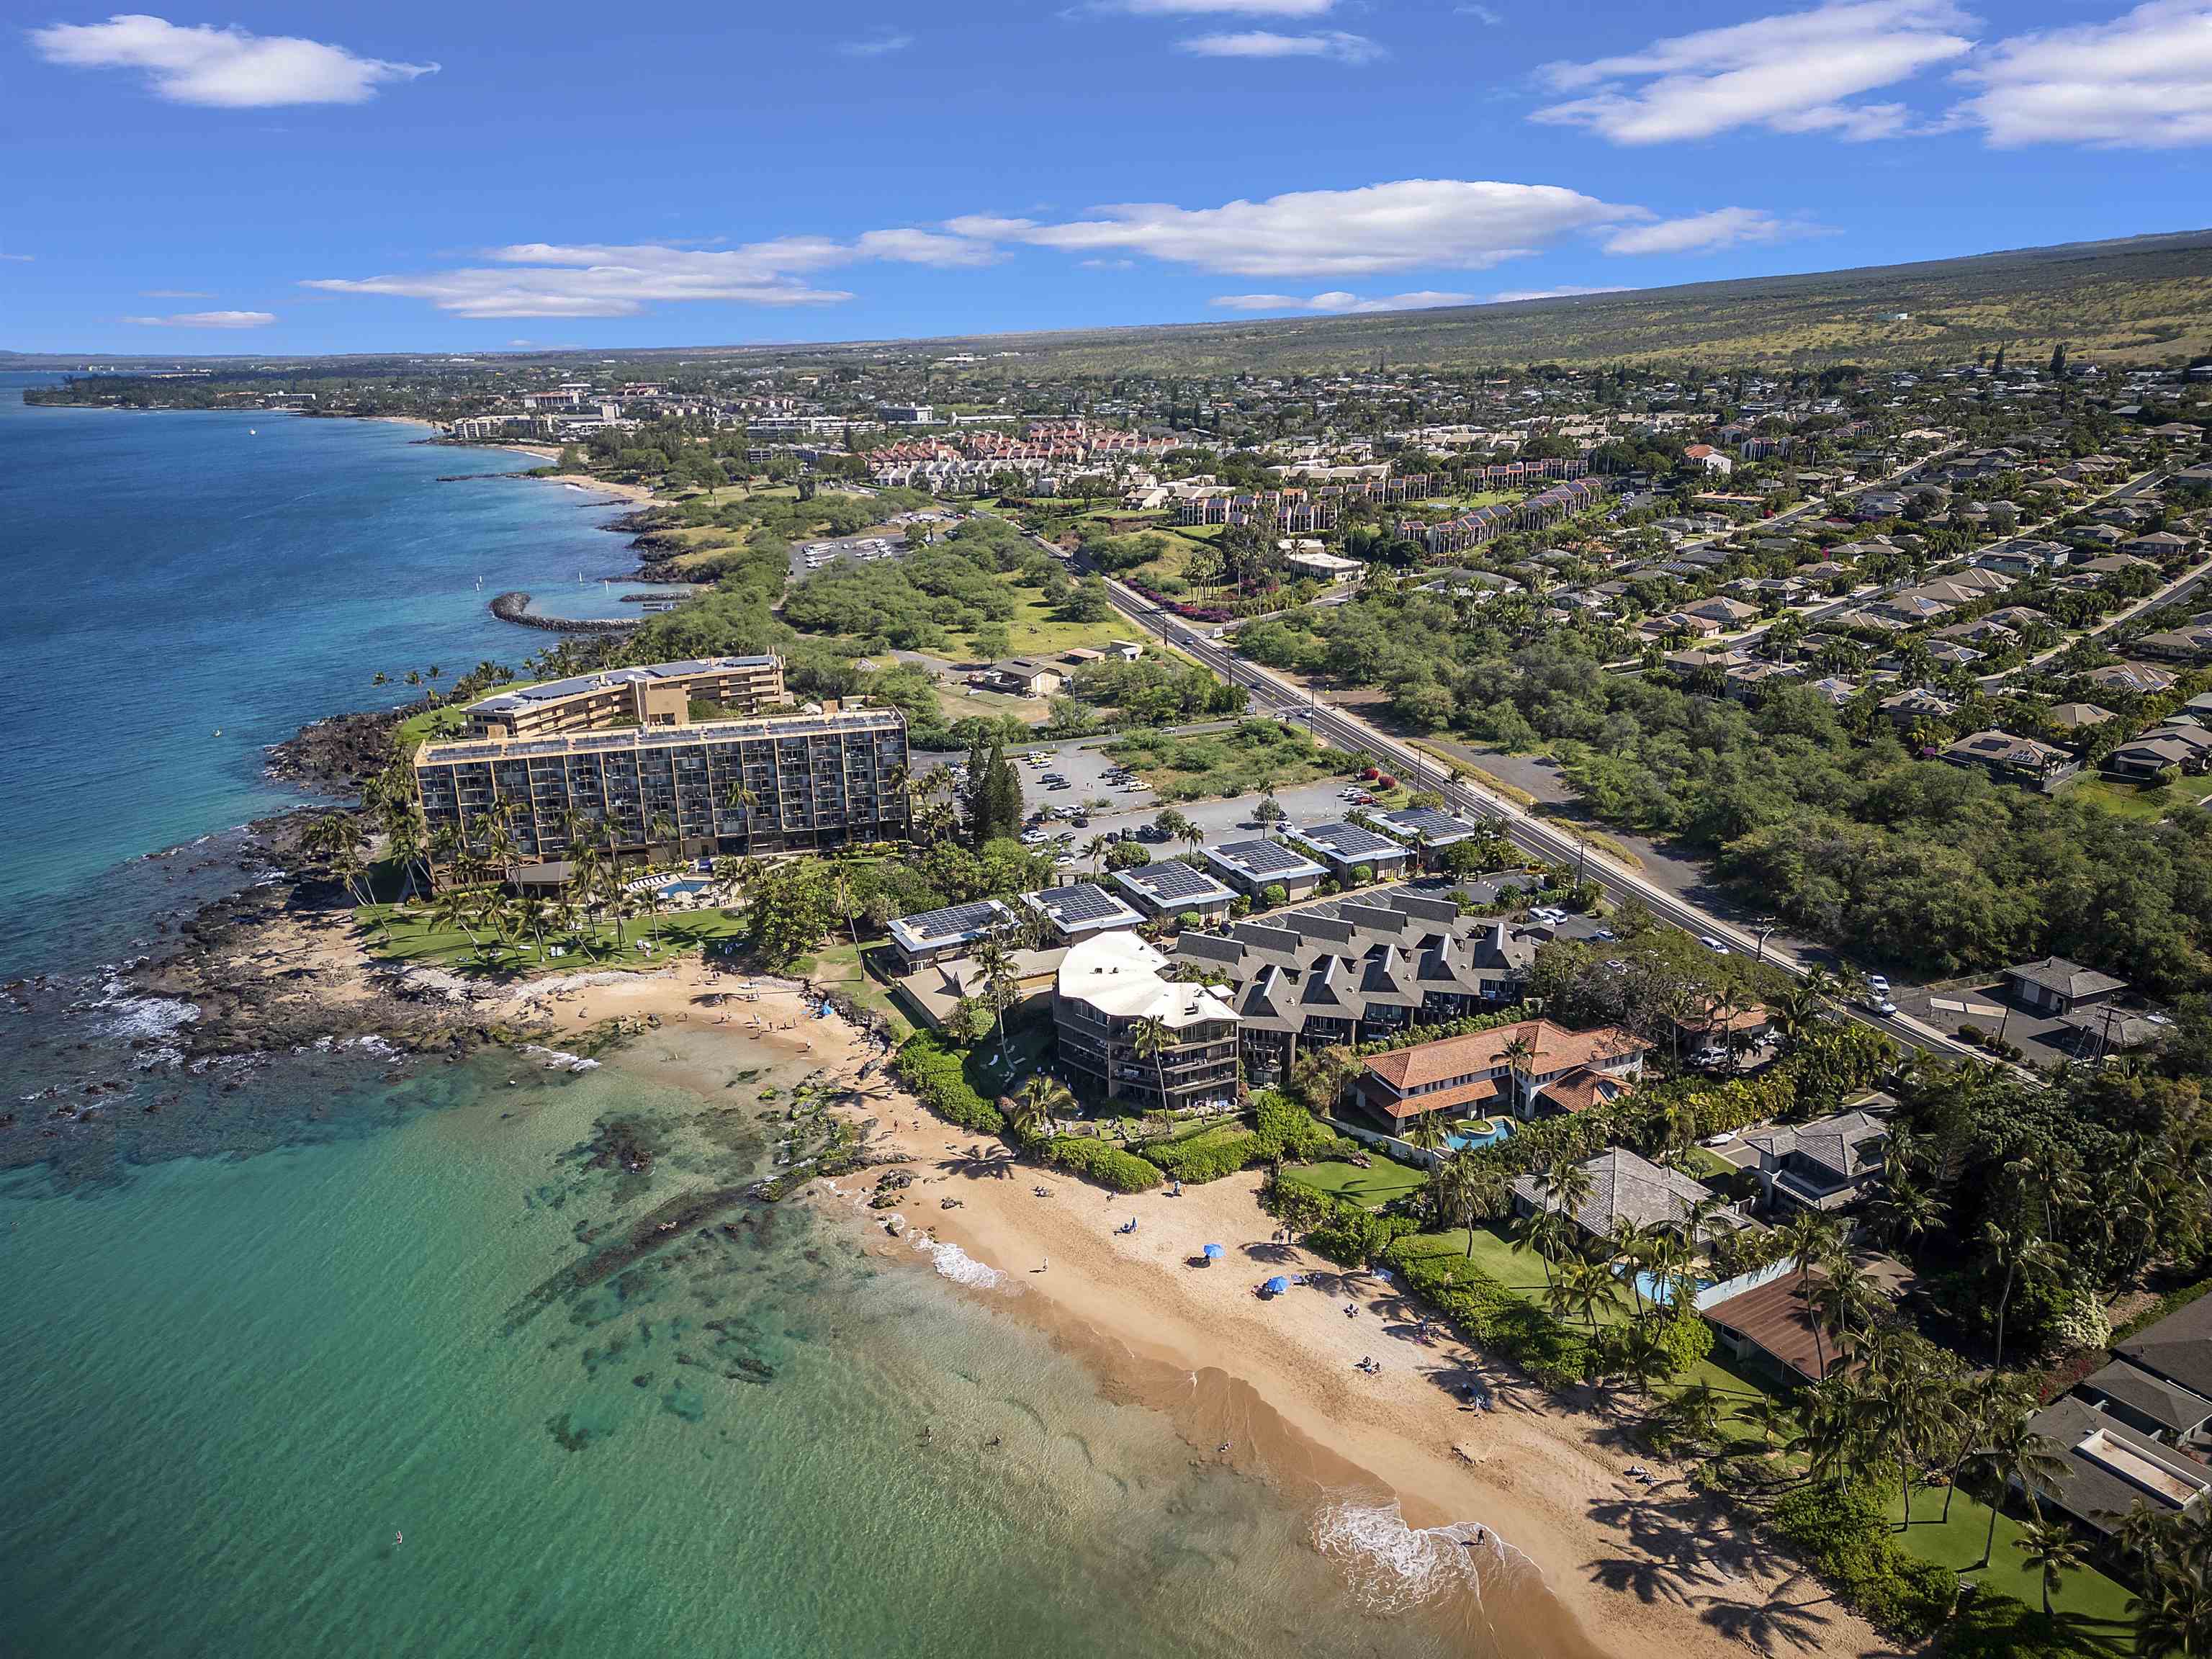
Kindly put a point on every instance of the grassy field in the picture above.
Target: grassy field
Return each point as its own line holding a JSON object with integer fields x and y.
{"x": 1373, "y": 1187}
{"x": 1036, "y": 632}
{"x": 447, "y": 720}
{"x": 2086, "y": 1595}
{"x": 411, "y": 937}
{"x": 2131, "y": 800}
{"x": 1227, "y": 763}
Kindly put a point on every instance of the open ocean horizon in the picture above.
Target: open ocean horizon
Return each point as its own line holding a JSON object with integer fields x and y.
{"x": 301, "y": 1364}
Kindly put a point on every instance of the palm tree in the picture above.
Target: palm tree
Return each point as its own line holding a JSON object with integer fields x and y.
{"x": 2175, "y": 1613}
{"x": 1094, "y": 849}
{"x": 1810, "y": 1237}
{"x": 2014, "y": 1250}
{"x": 844, "y": 901}
{"x": 1042, "y": 1099}
{"x": 2052, "y": 1551}
{"x": 995, "y": 964}
{"x": 455, "y": 907}
{"x": 2015, "y": 1456}
{"x": 661, "y": 828}
{"x": 738, "y": 798}
{"x": 1904, "y": 1413}
{"x": 1151, "y": 1039}
{"x": 1775, "y": 1419}
{"x": 1697, "y": 1413}
{"x": 1905, "y": 1211}
{"x": 1428, "y": 1132}
{"x": 1518, "y": 1054}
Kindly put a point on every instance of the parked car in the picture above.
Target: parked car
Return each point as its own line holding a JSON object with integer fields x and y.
{"x": 1713, "y": 944}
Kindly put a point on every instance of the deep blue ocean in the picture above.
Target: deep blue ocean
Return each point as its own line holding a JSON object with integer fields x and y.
{"x": 185, "y": 589}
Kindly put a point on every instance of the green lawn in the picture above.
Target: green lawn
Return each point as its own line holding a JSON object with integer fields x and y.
{"x": 1511, "y": 1263}
{"x": 1036, "y": 632}
{"x": 2132, "y": 800}
{"x": 412, "y": 938}
{"x": 1372, "y": 1187}
{"x": 839, "y": 969}
{"x": 427, "y": 725}
{"x": 1215, "y": 764}
{"x": 2088, "y": 1594}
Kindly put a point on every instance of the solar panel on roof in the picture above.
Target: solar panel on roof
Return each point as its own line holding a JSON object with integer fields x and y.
{"x": 953, "y": 921}
{"x": 1347, "y": 840}
{"x": 1261, "y": 857}
{"x": 1082, "y": 902}
{"x": 1174, "y": 880}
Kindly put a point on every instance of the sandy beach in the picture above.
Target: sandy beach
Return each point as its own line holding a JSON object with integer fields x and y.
{"x": 1270, "y": 1387}
{"x": 1634, "y": 1568}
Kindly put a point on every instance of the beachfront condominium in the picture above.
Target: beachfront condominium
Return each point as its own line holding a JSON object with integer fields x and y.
{"x": 659, "y": 694}
{"x": 664, "y": 782}
{"x": 1128, "y": 1032}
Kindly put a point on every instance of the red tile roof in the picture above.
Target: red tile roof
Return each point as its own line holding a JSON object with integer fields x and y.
{"x": 1556, "y": 1049}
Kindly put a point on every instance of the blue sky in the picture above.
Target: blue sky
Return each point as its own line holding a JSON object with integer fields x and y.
{"x": 405, "y": 176}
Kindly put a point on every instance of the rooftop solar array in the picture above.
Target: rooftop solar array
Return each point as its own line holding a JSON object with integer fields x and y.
{"x": 1173, "y": 880}
{"x": 954, "y": 921}
{"x": 1261, "y": 858}
{"x": 1349, "y": 841}
{"x": 1428, "y": 824}
{"x": 1082, "y": 906}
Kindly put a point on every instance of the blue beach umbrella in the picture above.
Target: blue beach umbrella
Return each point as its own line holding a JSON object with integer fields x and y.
{"x": 1277, "y": 1284}
{"x": 1214, "y": 1253}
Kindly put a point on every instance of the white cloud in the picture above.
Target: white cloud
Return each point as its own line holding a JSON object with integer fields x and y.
{"x": 1791, "y": 73}
{"x": 1224, "y": 8}
{"x": 1510, "y": 296}
{"x": 1480, "y": 14}
{"x": 1333, "y": 44}
{"x": 208, "y": 319}
{"x": 1706, "y": 232}
{"x": 1108, "y": 265}
{"x": 884, "y": 42}
{"x": 2142, "y": 81}
{"x": 1338, "y": 302}
{"x": 18, "y": 259}
{"x": 1428, "y": 223}
{"x": 544, "y": 279}
{"x": 222, "y": 68}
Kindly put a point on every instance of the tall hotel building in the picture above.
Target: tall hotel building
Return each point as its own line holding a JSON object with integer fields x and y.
{"x": 675, "y": 756}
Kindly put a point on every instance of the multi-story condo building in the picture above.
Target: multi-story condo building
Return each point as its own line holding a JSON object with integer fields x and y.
{"x": 1108, "y": 987}
{"x": 660, "y": 693}
{"x": 748, "y": 788}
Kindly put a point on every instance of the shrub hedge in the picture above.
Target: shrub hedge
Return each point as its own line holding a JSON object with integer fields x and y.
{"x": 1488, "y": 1313}
{"x": 1102, "y": 1161}
{"x": 1848, "y": 1539}
{"x": 1209, "y": 1156}
{"x": 936, "y": 1075}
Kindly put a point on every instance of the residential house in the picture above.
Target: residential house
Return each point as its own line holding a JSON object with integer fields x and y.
{"x": 2012, "y": 759}
{"x": 2055, "y": 986}
{"x": 1026, "y": 677}
{"x": 1626, "y": 1186}
{"x": 934, "y": 935}
{"x": 1080, "y": 911}
{"x": 1253, "y": 866}
{"x": 1825, "y": 1165}
{"x": 1173, "y": 888}
{"x": 1558, "y": 1071}
{"x": 1346, "y": 847}
{"x": 2186, "y": 748}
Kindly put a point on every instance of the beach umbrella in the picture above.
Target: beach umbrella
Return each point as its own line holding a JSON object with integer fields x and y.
{"x": 1277, "y": 1284}
{"x": 1214, "y": 1253}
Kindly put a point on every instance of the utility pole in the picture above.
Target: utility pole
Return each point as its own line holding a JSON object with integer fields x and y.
{"x": 1766, "y": 926}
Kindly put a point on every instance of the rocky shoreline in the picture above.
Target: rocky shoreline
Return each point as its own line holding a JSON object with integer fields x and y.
{"x": 515, "y": 608}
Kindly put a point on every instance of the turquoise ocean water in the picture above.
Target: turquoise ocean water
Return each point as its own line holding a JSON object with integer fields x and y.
{"x": 317, "y": 1301}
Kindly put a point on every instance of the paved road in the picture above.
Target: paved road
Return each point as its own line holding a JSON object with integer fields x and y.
{"x": 1273, "y": 695}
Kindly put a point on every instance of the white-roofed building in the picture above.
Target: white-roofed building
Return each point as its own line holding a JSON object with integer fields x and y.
{"x": 1112, "y": 989}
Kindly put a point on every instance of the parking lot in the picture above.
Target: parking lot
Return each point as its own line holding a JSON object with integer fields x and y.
{"x": 1083, "y": 762}
{"x": 808, "y": 557}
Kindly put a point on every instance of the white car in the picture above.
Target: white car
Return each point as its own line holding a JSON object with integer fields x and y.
{"x": 1714, "y": 945}
{"x": 1877, "y": 986}
{"x": 1882, "y": 1006}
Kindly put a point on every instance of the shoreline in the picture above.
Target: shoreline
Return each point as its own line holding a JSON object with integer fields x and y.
{"x": 1275, "y": 1382}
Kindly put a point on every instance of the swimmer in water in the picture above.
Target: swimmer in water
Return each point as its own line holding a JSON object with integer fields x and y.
{"x": 398, "y": 1538}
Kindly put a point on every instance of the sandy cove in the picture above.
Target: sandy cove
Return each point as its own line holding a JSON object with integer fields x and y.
{"x": 1636, "y": 1569}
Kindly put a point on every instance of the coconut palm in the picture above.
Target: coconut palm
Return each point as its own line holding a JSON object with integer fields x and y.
{"x": 2174, "y": 1615}
{"x": 844, "y": 899}
{"x": 1042, "y": 1099}
{"x": 1519, "y": 1054}
{"x": 1696, "y": 1412}
{"x": 1776, "y": 1420}
{"x": 2053, "y": 1551}
{"x": 2013, "y": 1251}
{"x": 1096, "y": 850}
{"x": 2015, "y": 1454}
{"x": 455, "y": 907}
{"x": 1151, "y": 1039}
{"x": 1904, "y": 1414}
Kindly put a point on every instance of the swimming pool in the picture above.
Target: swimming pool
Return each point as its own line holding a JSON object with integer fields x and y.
{"x": 1648, "y": 1286}
{"x": 1489, "y": 1135}
{"x": 685, "y": 889}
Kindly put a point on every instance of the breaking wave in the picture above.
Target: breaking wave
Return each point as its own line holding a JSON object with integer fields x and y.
{"x": 956, "y": 1265}
{"x": 1393, "y": 1567}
